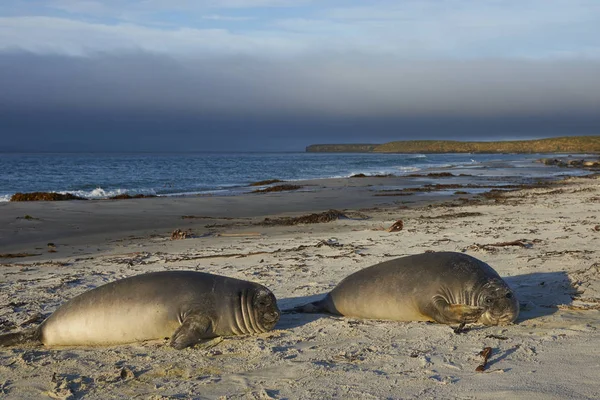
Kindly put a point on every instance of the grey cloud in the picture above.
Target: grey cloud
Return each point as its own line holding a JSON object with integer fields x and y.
{"x": 147, "y": 101}
{"x": 319, "y": 86}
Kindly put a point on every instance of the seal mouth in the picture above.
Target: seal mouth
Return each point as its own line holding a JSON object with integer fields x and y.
{"x": 271, "y": 317}
{"x": 489, "y": 318}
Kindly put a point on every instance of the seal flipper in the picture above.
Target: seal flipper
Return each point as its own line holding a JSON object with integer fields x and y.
{"x": 193, "y": 329}
{"x": 32, "y": 335}
{"x": 447, "y": 313}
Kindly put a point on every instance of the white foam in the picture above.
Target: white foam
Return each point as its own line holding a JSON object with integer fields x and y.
{"x": 100, "y": 193}
{"x": 407, "y": 170}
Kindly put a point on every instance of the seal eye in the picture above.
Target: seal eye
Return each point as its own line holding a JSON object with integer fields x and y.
{"x": 264, "y": 302}
{"x": 508, "y": 295}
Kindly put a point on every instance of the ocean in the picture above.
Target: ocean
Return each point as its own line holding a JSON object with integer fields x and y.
{"x": 99, "y": 176}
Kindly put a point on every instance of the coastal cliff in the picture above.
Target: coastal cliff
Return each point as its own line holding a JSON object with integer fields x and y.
{"x": 569, "y": 144}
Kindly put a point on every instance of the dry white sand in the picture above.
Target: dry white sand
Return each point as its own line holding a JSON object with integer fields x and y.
{"x": 552, "y": 352}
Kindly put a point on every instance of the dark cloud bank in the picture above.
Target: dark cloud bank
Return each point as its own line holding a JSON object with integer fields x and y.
{"x": 145, "y": 102}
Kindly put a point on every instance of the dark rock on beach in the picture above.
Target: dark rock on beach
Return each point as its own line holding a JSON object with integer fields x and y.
{"x": 571, "y": 162}
{"x": 44, "y": 196}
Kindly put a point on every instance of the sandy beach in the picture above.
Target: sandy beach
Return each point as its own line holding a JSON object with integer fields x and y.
{"x": 544, "y": 241}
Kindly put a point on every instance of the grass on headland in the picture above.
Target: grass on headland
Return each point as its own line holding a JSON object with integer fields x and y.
{"x": 568, "y": 144}
{"x": 574, "y": 144}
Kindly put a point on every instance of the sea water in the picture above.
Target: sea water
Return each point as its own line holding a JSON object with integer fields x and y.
{"x": 98, "y": 176}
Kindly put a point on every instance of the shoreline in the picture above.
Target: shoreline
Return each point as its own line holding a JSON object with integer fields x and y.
{"x": 182, "y": 180}
{"x": 74, "y": 223}
{"x": 551, "y": 352}
{"x": 75, "y": 227}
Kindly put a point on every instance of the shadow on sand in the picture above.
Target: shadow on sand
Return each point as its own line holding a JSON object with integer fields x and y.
{"x": 540, "y": 293}
{"x": 291, "y": 320}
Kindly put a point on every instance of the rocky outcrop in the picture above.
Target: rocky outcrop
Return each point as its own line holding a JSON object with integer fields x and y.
{"x": 572, "y": 162}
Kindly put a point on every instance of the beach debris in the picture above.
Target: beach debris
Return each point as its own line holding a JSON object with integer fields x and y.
{"x": 188, "y": 257}
{"x": 498, "y": 195}
{"x": 331, "y": 242}
{"x": 392, "y": 193}
{"x": 126, "y": 374}
{"x": 29, "y": 218}
{"x": 361, "y": 175}
{"x": 179, "y": 234}
{"x": 44, "y": 196}
{"x": 485, "y": 353}
{"x": 492, "y": 336}
{"x": 323, "y": 217}
{"x": 525, "y": 243}
{"x": 597, "y": 228}
{"x": 454, "y": 215}
{"x": 396, "y": 226}
{"x": 520, "y": 242}
{"x": 51, "y": 247}
{"x": 18, "y": 255}
{"x": 265, "y": 182}
{"x": 137, "y": 258}
{"x": 433, "y": 175}
{"x": 277, "y": 188}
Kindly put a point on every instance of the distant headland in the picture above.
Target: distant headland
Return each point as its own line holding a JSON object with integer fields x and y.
{"x": 567, "y": 144}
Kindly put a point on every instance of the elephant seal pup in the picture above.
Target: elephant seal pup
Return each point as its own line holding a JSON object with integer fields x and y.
{"x": 187, "y": 306}
{"x": 444, "y": 287}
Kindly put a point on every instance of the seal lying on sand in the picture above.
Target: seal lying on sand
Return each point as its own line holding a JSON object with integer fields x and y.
{"x": 444, "y": 287}
{"x": 186, "y": 306}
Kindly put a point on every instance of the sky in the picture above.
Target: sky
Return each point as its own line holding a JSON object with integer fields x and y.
{"x": 268, "y": 75}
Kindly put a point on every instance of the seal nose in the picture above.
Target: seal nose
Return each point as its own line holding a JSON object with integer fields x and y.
{"x": 272, "y": 315}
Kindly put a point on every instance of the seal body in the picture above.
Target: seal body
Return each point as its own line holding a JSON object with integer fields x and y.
{"x": 444, "y": 287}
{"x": 187, "y": 306}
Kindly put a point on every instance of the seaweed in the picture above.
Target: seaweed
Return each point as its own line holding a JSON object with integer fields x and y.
{"x": 44, "y": 196}
{"x": 126, "y": 196}
{"x": 317, "y": 218}
{"x": 265, "y": 182}
{"x": 278, "y": 188}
